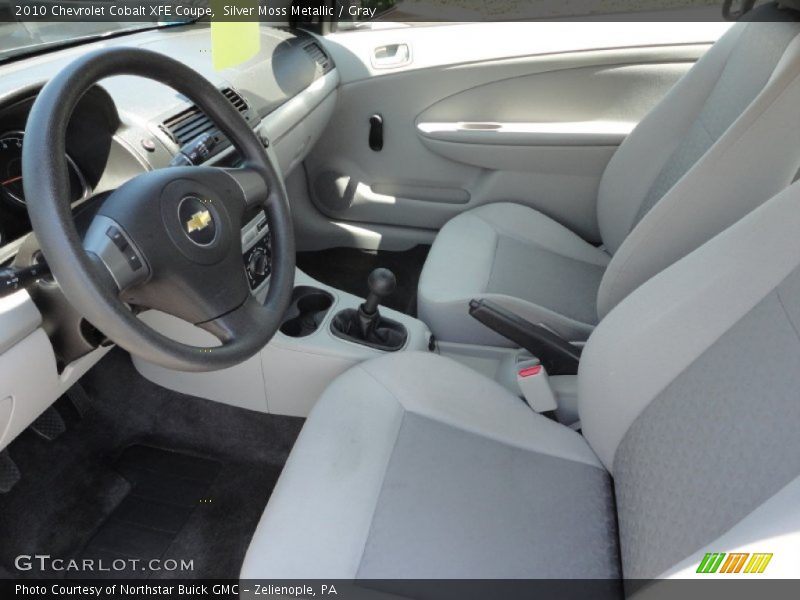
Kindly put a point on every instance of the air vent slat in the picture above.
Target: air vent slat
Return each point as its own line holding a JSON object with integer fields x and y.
{"x": 318, "y": 55}
{"x": 192, "y": 122}
{"x": 193, "y": 132}
{"x": 189, "y": 120}
{"x": 189, "y": 124}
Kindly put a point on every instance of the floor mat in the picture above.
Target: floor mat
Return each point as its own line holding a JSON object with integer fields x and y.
{"x": 166, "y": 488}
{"x": 142, "y": 472}
{"x": 347, "y": 269}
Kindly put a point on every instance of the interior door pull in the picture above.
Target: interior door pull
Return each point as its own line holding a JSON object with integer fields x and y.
{"x": 391, "y": 56}
{"x": 376, "y": 132}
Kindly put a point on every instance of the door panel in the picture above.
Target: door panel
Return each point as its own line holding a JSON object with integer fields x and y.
{"x": 536, "y": 128}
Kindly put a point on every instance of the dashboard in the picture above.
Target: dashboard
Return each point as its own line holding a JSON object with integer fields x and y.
{"x": 123, "y": 127}
{"x": 88, "y": 143}
{"x": 127, "y": 125}
{"x": 11, "y": 186}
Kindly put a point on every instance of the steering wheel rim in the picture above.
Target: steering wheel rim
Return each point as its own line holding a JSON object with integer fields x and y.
{"x": 94, "y": 282}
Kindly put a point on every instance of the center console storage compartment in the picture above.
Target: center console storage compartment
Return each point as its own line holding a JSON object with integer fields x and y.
{"x": 306, "y": 312}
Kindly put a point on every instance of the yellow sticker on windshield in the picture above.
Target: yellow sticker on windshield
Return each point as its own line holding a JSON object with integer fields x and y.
{"x": 233, "y": 43}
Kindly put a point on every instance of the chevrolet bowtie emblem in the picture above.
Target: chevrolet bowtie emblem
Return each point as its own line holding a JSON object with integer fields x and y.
{"x": 199, "y": 221}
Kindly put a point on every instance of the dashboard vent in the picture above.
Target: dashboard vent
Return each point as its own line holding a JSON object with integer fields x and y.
{"x": 236, "y": 99}
{"x": 318, "y": 56}
{"x": 192, "y": 122}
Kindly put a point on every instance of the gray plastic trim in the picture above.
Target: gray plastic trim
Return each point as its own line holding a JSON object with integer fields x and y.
{"x": 19, "y": 317}
{"x": 583, "y": 133}
{"x": 289, "y": 374}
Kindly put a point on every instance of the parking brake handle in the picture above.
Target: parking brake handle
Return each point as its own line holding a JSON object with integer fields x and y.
{"x": 557, "y": 355}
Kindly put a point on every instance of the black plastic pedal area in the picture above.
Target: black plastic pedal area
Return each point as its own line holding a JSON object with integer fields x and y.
{"x": 9, "y": 472}
{"x": 50, "y": 424}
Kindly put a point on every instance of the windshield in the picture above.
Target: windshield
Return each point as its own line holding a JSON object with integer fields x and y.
{"x": 18, "y": 39}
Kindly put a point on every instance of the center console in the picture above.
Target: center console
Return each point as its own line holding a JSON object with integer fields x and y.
{"x": 324, "y": 332}
{"x": 307, "y": 311}
{"x": 256, "y": 250}
{"x": 363, "y": 325}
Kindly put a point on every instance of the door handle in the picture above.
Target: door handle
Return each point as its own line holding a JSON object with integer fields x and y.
{"x": 391, "y": 56}
{"x": 376, "y": 132}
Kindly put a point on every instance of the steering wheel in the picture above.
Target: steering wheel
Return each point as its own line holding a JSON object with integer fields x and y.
{"x": 168, "y": 239}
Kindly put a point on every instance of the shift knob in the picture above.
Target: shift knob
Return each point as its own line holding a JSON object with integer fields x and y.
{"x": 382, "y": 283}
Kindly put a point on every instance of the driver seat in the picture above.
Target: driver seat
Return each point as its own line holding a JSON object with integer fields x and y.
{"x": 412, "y": 466}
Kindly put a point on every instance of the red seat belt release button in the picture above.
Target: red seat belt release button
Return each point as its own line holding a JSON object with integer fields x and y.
{"x": 534, "y": 386}
{"x": 530, "y": 371}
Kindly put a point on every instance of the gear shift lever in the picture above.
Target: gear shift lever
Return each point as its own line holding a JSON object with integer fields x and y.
{"x": 366, "y": 325}
{"x": 382, "y": 284}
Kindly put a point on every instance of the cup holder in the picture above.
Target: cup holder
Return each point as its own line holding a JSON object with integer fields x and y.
{"x": 306, "y": 312}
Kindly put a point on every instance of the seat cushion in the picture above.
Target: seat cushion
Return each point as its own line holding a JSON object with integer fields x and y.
{"x": 517, "y": 257}
{"x": 412, "y": 466}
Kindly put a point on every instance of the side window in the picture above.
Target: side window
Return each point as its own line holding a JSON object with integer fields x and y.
{"x": 351, "y": 14}
{"x": 356, "y": 14}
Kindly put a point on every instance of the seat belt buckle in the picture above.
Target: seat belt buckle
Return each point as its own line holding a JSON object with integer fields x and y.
{"x": 535, "y": 386}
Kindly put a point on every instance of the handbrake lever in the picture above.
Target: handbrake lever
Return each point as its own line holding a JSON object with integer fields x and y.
{"x": 557, "y": 355}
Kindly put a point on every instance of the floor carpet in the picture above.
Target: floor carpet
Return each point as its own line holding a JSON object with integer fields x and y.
{"x": 142, "y": 472}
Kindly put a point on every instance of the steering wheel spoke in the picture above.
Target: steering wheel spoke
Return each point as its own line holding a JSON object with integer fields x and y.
{"x": 238, "y": 323}
{"x": 115, "y": 249}
{"x": 255, "y": 190}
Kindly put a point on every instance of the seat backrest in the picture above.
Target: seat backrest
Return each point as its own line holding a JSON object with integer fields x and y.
{"x": 725, "y": 139}
{"x": 690, "y": 395}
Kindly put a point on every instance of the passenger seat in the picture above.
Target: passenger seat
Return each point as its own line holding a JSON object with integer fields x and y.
{"x": 724, "y": 140}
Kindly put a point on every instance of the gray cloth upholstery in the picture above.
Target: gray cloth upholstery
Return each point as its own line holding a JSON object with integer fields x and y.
{"x": 572, "y": 284}
{"x": 518, "y": 258}
{"x": 746, "y": 72}
{"x": 708, "y": 427}
{"x": 688, "y": 392}
{"x": 412, "y": 466}
{"x": 721, "y": 142}
{"x": 432, "y": 522}
{"x": 773, "y": 526}
{"x": 753, "y": 160}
